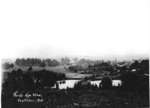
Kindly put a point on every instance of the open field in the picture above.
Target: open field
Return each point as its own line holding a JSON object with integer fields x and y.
{"x": 62, "y": 69}
{"x": 58, "y": 69}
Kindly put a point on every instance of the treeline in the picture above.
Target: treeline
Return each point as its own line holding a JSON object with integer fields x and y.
{"x": 140, "y": 67}
{"x": 36, "y": 62}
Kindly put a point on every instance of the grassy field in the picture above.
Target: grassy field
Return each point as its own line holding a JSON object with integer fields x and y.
{"x": 84, "y": 99}
{"x": 59, "y": 69}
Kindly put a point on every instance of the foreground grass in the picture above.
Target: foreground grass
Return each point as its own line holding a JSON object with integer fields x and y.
{"x": 82, "y": 99}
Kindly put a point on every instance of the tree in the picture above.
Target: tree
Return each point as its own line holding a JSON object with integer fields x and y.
{"x": 106, "y": 83}
{"x": 65, "y": 61}
{"x": 8, "y": 65}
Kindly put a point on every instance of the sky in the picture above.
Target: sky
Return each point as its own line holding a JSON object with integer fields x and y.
{"x": 79, "y": 28}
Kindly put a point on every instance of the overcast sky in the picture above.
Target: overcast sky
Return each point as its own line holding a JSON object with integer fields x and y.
{"x": 93, "y": 28}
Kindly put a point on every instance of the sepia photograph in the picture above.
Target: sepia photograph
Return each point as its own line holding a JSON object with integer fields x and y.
{"x": 74, "y": 53}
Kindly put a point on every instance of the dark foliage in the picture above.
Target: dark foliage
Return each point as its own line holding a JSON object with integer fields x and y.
{"x": 31, "y": 80}
{"x": 136, "y": 78}
{"x": 8, "y": 65}
{"x": 36, "y": 62}
{"x": 106, "y": 83}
